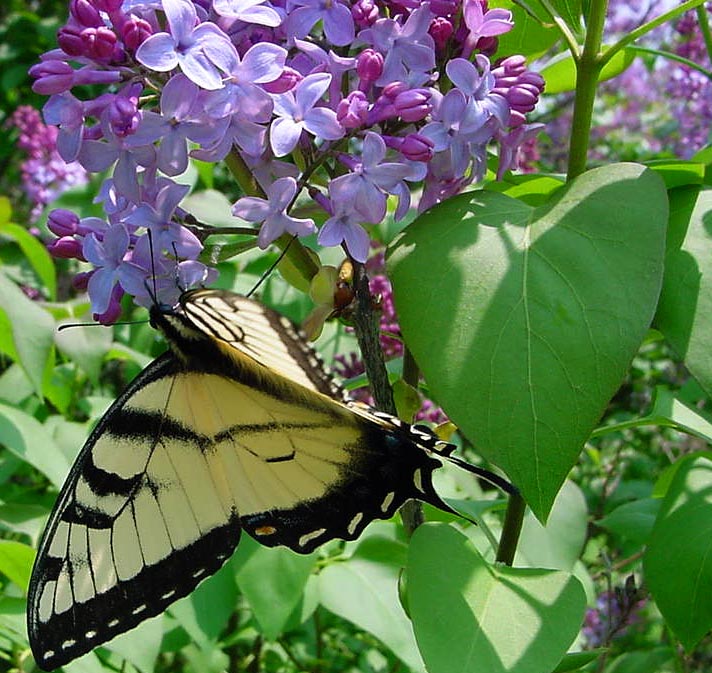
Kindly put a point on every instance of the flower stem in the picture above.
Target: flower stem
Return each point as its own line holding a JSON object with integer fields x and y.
{"x": 511, "y": 530}
{"x": 588, "y": 68}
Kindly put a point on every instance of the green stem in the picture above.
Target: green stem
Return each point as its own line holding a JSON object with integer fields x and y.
{"x": 631, "y": 37}
{"x": 675, "y": 57}
{"x": 564, "y": 29}
{"x": 588, "y": 68}
{"x": 511, "y": 530}
{"x": 703, "y": 20}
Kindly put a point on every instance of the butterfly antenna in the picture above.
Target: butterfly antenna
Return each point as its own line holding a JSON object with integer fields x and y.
{"x": 153, "y": 292}
{"x": 93, "y": 324}
{"x": 271, "y": 268}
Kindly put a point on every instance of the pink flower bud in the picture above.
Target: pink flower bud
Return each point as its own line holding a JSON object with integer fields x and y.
{"x": 70, "y": 40}
{"x": 52, "y": 77}
{"x": 66, "y": 247}
{"x": 413, "y": 105}
{"x": 62, "y": 222}
{"x": 390, "y": 91}
{"x": 369, "y": 67}
{"x": 112, "y": 313}
{"x": 441, "y": 31}
{"x": 80, "y": 282}
{"x": 134, "y": 32}
{"x": 417, "y": 147}
{"x": 285, "y": 82}
{"x": 365, "y": 13}
{"x": 100, "y": 43}
{"x": 352, "y": 111}
{"x": 124, "y": 117}
{"x": 85, "y": 13}
{"x": 107, "y": 5}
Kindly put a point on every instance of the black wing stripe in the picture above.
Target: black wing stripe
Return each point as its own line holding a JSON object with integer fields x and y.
{"x": 97, "y": 620}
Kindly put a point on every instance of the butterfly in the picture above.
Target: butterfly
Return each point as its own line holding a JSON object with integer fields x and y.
{"x": 237, "y": 427}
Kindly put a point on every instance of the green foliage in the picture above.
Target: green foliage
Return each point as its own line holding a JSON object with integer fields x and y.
{"x": 536, "y": 316}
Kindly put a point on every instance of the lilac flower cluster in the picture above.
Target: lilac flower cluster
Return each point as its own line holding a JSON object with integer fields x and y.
{"x": 45, "y": 175}
{"x": 346, "y": 102}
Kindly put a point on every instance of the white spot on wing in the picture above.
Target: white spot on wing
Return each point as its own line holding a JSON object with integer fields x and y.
{"x": 353, "y": 524}
{"x": 418, "y": 480}
{"x": 68, "y": 643}
{"x": 308, "y": 537}
{"x": 387, "y": 502}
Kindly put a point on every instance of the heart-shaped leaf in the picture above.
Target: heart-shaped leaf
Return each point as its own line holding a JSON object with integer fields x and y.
{"x": 685, "y": 312}
{"x": 524, "y": 319}
{"x": 472, "y": 616}
{"x": 678, "y": 561}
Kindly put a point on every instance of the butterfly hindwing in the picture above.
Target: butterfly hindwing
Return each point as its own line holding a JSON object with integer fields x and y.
{"x": 127, "y": 536}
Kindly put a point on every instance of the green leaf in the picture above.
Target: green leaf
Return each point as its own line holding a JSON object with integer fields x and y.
{"x": 575, "y": 660}
{"x": 272, "y": 581}
{"x": 85, "y": 346}
{"x": 560, "y": 73}
{"x": 524, "y": 320}
{"x": 205, "y": 612}
{"x": 23, "y": 518}
{"x": 678, "y": 172}
{"x": 27, "y": 438}
{"x": 557, "y": 545}
{"x": 28, "y": 329}
{"x": 16, "y": 561}
{"x": 678, "y": 561}
{"x": 366, "y": 594}
{"x": 35, "y": 253}
{"x": 684, "y": 313}
{"x": 141, "y": 645}
{"x": 644, "y": 662}
{"x": 632, "y": 520}
{"x": 529, "y": 36}
{"x": 469, "y": 615}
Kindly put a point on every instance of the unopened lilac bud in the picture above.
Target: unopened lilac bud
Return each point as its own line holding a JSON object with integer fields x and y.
{"x": 415, "y": 147}
{"x": 134, "y": 32}
{"x": 444, "y": 7}
{"x": 52, "y": 77}
{"x": 365, "y": 13}
{"x": 352, "y": 111}
{"x": 394, "y": 89}
{"x": 487, "y": 45}
{"x": 66, "y": 247}
{"x": 112, "y": 313}
{"x": 369, "y": 67}
{"x": 285, "y": 82}
{"x": 80, "y": 282}
{"x": 413, "y": 105}
{"x": 108, "y": 5}
{"x": 441, "y": 31}
{"x": 124, "y": 117}
{"x": 85, "y": 13}
{"x": 100, "y": 43}
{"x": 70, "y": 40}
{"x": 511, "y": 66}
{"x": 62, "y": 222}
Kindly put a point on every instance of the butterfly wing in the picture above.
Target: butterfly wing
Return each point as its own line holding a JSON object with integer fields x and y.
{"x": 137, "y": 525}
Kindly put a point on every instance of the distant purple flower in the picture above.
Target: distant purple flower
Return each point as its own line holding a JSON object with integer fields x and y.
{"x": 272, "y": 212}
{"x": 296, "y": 112}
{"x": 200, "y": 51}
{"x": 336, "y": 16}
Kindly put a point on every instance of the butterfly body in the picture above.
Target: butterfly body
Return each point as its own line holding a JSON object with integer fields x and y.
{"x": 238, "y": 426}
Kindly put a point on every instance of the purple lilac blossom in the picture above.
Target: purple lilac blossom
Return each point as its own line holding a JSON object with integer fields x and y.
{"x": 351, "y": 103}
{"x": 45, "y": 173}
